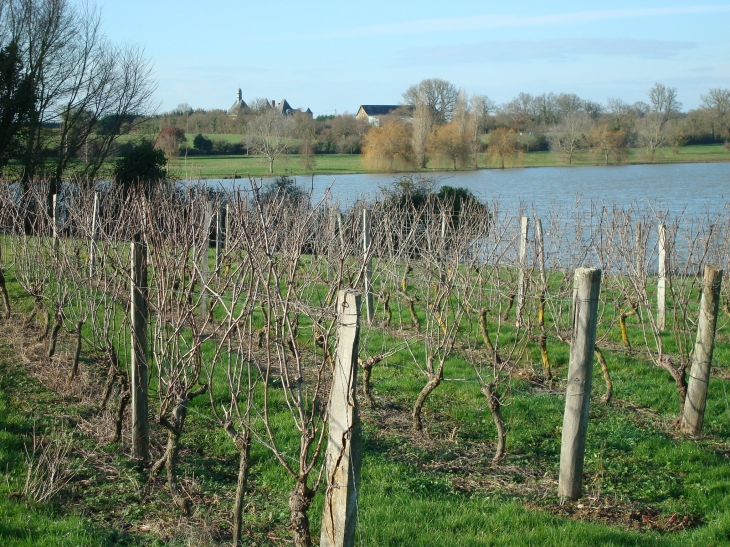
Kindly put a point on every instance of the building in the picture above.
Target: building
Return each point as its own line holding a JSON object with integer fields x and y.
{"x": 283, "y": 107}
{"x": 238, "y": 106}
{"x": 372, "y": 113}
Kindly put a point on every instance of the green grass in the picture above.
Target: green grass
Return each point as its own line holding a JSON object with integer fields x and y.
{"x": 212, "y": 167}
{"x": 439, "y": 489}
{"x": 207, "y": 167}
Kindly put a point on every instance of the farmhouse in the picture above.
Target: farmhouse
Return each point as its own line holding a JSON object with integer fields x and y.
{"x": 373, "y": 113}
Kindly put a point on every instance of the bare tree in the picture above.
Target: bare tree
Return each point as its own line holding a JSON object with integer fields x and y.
{"x": 567, "y": 137}
{"x": 423, "y": 121}
{"x": 717, "y": 101}
{"x": 481, "y": 107}
{"x": 437, "y": 94}
{"x": 270, "y": 134}
{"x": 86, "y": 86}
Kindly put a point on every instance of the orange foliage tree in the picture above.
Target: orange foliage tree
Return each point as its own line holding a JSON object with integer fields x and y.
{"x": 389, "y": 146}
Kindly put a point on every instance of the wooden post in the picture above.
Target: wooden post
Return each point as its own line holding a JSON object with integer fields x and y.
{"x": 94, "y": 229}
{"x": 343, "y": 457}
{"x": 204, "y": 262}
{"x": 661, "y": 288}
{"x": 540, "y": 252}
{"x": 521, "y": 279}
{"x": 442, "y": 254}
{"x": 368, "y": 264}
{"x": 639, "y": 251}
{"x": 693, "y": 412}
{"x": 341, "y": 232}
{"x": 55, "y": 222}
{"x": 586, "y": 289}
{"x": 138, "y": 365}
{"x": 219, "y": 225}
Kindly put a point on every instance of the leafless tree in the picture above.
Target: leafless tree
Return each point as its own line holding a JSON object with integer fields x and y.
{"x": 567, "y": 137}
{"x": 269, "y": 134}
{"x": 438, "y": 95}
{"x": 90, "y": 88}
{"x": 717, "y": 101}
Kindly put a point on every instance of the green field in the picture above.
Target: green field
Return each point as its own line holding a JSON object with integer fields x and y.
{"x": 210, "y": 167}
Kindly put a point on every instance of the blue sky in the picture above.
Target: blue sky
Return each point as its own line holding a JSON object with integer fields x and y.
{"x": 334, "y": 56}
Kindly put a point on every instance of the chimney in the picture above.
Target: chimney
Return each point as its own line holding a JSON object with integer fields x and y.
{"x": 273, "y": 103}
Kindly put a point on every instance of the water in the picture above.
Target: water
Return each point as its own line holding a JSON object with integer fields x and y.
{"x": 692, "y": 189}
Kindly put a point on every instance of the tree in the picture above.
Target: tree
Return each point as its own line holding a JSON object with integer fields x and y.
{"x": 269, "y": 134}
{"x": 520, "y": 112}
{"x": 79, "y": 79}
{"x": 717, "y": 101}
{"x": 449, "y": 141}
{"x": 170, "y": 140}
{"x": 141, "y": 164}
{"x": 603, "y": 139}
{"x": 437, "y": 94}
{"x": 389, "y": 146}
{"x": 423, "y": 122}
{"x": 17, "y": 100}
{"x": 281, "y": 188}
{"x": 653, "y": 126}
{"x": 567, "y": 137}
{"x": 664, "y": 102}
{"x": 502, "y": 144}
{"x": 203, "y": 144}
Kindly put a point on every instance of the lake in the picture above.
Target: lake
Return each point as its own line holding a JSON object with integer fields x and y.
{"x": 692, "y": 188}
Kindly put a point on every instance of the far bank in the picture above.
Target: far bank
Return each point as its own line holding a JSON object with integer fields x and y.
{"x": 243, "y": 166}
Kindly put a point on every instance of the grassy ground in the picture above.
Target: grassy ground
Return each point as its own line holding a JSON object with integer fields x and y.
{"x": 206, "y": 167}
{"x": 644, "y": 483}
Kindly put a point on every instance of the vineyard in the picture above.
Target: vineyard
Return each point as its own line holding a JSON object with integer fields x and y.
{"x": 192, "y": 340}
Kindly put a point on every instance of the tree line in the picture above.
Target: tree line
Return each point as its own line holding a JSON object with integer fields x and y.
{"x": 437, "y": 119}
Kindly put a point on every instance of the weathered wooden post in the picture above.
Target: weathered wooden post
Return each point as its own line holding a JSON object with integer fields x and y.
{"x": 586, "y": 290}
{"x": 661, "y": 287}
{"x": 521, "y": 279}
{"x": 343, "y": 457}
{"x": 639, "y": 250}
{"x": 138, "y": 365}
{"x": 208, "y": 219}
{"x": 94, "y": 229}
{"x": 693, "y": 412}
{"x": 55, "y": 222}
{"x": 540, "y": 252}
{"x": 442, "y": 254}
{"x": 368, "y": 264}
{"x": 219, "y": 227}
{"x": 341, "y": 232}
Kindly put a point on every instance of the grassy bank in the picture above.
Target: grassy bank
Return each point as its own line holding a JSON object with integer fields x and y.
{"x": 209, "y": 167}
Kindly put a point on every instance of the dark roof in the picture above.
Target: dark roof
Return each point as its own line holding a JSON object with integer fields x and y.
{"x": 378, "y": 109}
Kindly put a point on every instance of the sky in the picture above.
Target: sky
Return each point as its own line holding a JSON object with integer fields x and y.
{"x": 334, "y": 56}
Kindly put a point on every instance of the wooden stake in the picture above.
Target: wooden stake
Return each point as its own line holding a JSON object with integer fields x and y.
{"x": 661, "y": 288}
{"x": 521, "y": 280}
{"x": 586, "y": 290}
{"x": 343, "y": 457}
{"x": 693, "y": 412}
{"x": 368, "y": 264}
{"x": 219, "y": 226}
{"x": 138, "y": 365}
{"x": 92, "y": 242}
